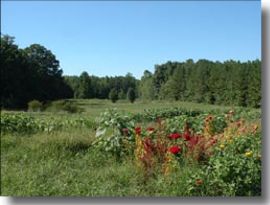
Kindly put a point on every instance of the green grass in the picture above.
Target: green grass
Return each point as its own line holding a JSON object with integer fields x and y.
{"x": 94, "y": 107}
{"x": 63, "y": 163}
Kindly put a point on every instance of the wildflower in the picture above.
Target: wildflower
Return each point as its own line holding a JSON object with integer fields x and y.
{"x": 138, "y": 130}
{"x": 150, "y": 129}
{"x": 187, "y": 136}
{"x": 228, "y": 137}
{"x": 248, "y": 154}
{"x": 148, "y": 145}
{"x": 174, "y": 136}
{"x": 222, "y": 146}
{"x": 175, "y": 149}
{"x": 199, "y": 182}
{"x": 193, "y": 141}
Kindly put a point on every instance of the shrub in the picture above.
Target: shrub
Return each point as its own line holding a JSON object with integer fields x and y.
{"x": 233, "y": 170}
{"x": 131, "y": 95}
{"x": 64, "y": 105}
{"x": 71, "y": 108}
{"x": 113, "y": 95}
{"x": 35, "y": 106}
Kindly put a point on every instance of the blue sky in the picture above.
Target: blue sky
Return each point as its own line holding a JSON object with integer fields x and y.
{"x": 113, "y": 38}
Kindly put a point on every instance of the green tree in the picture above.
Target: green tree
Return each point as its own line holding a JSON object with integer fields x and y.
{"x": 28, "y": 74}
{"x": 84, "y": 91}
{"x": 14, "y": 70}
{"x": 176, "y": 85}
{"x": 131, "y": 95}
{"x": 254, "y": 84}
{"x": 48, "y": 75}
{"x": 113, "y": 95}
{"x": 74, "y": 83}
{"x": 146, "y": 86}
{"x": 122, "y": 95}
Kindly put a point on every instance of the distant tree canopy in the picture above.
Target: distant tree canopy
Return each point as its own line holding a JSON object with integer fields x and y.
{"x": 227, "y": 83}
{"x": 34, "y": 73}
{"x": 86, "y": 86}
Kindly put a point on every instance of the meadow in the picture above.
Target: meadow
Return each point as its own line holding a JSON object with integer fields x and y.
{"x": 157, "y": 148}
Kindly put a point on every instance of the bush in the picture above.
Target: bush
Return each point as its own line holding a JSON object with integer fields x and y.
{"x": 71, "y": 108}
{"x": 64, "y": 105}
{"x": 233, "y": 170}
{"x": 113, "y": 95}
{"x": 131, "y": 95}
{"x": 35, "y": 106}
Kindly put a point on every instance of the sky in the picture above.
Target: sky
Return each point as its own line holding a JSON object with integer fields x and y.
{"x": 114, "y": 38}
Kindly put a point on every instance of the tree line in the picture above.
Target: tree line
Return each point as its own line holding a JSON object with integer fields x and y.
{"x": 228, "y": 83}
{"x": 34, "y": 73}
{"x": 118, "y": 87}
{"x": 28, "y": 74}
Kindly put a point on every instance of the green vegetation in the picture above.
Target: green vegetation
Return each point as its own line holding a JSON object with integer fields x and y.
{"x": 34, "y": 73}
{"x": 113, "y": 95}
{"x": 131, "y": 95}
{"x": 97, "y": 153}
{"x": 231, "y": 83}
{"x": 63, "y": 105}
{"x": 35, "y": 106}
{"x": 163, "y": 135}
{"x": 29, "y": 74}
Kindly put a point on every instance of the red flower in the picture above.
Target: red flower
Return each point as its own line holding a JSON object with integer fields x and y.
{"x": 174, "y": 136}
{"x": 125, "y": 131}
{"x": 138, "y": 130}
{"x": 187, "y": 136}
{"x": 175, "y": 149}
{"x": 193, "y": 141}
{"x": 148, "y": 145}
{"x": 150, "y": 129}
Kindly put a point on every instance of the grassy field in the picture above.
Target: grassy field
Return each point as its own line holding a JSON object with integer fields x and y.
{"x": 65, "y": 163}
{"x": 95, "y": 107}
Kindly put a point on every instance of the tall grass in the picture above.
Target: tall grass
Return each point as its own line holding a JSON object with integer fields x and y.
{"x": 63, "y": 163}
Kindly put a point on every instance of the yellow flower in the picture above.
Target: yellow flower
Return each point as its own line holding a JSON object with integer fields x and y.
{"x": 222, "y": 146}
{"x": 248, "y": 154}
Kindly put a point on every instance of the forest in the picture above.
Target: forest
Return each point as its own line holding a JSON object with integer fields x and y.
{"x": 34, "y": 73}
